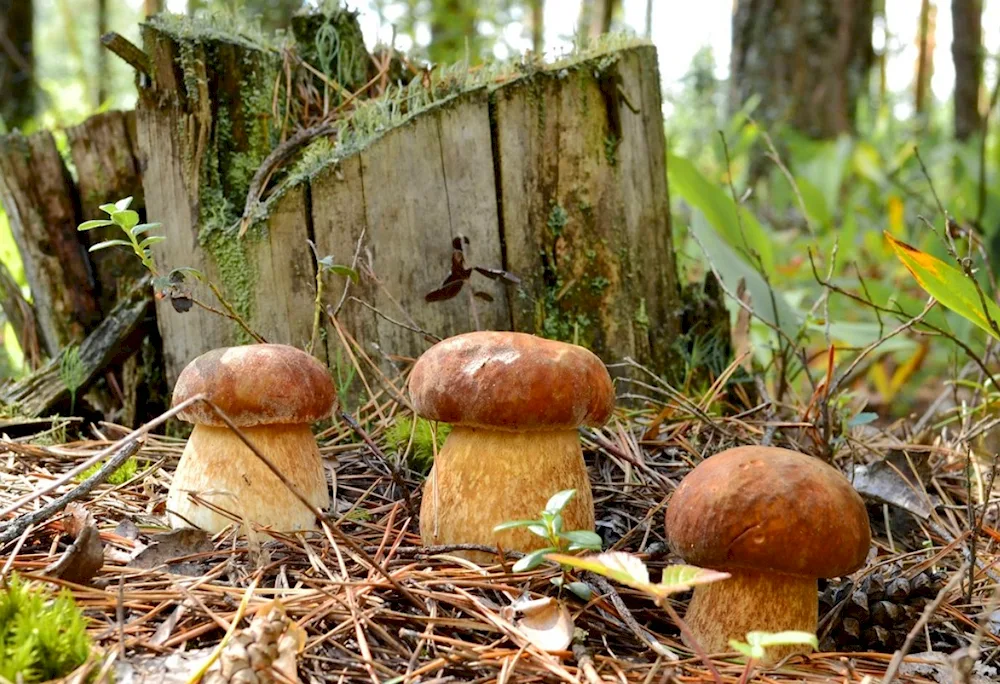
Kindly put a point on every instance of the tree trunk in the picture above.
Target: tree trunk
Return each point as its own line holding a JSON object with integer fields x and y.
{"x": 808, "y": 60}
{"x": 967, "y": 53}
{"x": 42, "y": 208}
{"x": 453, "y": 31}
{"x": 538, "y": 27}
{"x": 557, "y": 176}
{"x": 103, "y": 75}
{"x": 17, "y": 85}
{"x": 925, "y": 55}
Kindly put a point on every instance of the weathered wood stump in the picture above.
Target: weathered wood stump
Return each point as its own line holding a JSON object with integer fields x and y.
{"x": 94, "y": 300}
{"x": 555, "y": 174}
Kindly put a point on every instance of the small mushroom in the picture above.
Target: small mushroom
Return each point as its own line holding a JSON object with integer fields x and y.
{"x": 273, "y": 393}
{"x": 776, "y": 520}
{"x": 515, "y": 402}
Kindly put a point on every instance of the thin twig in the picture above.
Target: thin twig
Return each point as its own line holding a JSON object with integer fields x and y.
{"x": 13, "y": 529}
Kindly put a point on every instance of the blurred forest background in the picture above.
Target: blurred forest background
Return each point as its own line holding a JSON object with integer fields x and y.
{"x": 821, "y": 104}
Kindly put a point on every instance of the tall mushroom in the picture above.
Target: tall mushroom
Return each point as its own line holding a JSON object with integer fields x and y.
{"x": 273, "y": 393}
{"x": 776, "y": 520}
{"x": 515, "y": 402}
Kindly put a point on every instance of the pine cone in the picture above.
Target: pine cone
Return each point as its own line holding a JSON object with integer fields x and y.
{"x": 251, "y": 655}
{"x": 877, "y": 613}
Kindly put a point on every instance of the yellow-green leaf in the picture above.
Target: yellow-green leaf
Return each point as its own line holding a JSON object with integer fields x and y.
{"x": 677, "y": 578}
{"x": 947, "y": 284}
{"x": 629, "y": 570}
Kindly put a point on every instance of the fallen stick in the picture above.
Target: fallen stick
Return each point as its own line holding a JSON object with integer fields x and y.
{"x": 13, "y": 529}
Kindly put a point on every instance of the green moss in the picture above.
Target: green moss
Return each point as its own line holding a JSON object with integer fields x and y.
{"x": 236, "y": 28}
{"x": 421, "y": 455}
{"x": 611, "y": 150}
{"x": 122, "y": 475}
{"x": 557, "y": 220}
{"x": 41, "y": 638}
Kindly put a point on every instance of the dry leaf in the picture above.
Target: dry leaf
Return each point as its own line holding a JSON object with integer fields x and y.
{"x": 164, "y": 548}
{"x": 85, "y": 556}
{"x": 547, "y": 623}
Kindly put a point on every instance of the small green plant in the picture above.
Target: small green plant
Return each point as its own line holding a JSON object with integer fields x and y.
{"x": 41, "y": 637}
{"x": 72, "y": 373}
{"x": 548, "y": 526}
{"x": 753, "y": 647}
{"x": 122, "y": 475}
{"x": 421, "y": 456}
{"x": 128, "y": 220}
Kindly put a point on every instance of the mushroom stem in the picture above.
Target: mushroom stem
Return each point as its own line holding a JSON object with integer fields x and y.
{"x": 751, "y": 601}
{"x": 216, "y": 462}
{"x": 484, "y": 477}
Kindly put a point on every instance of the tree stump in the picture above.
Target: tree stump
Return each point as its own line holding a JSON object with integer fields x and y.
{"x": 555, "y": 174}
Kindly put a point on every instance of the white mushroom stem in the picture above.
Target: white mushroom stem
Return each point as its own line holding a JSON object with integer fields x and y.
{"x": 751, "y": 601}
{"x": 482, "y": 478}
{"x": 223, "y": 470}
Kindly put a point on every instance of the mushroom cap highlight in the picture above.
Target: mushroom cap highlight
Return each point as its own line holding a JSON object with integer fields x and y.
{"x": 769, "y": 509}
{"x": 257, "y": 384}
{"x": 511, "y": 381}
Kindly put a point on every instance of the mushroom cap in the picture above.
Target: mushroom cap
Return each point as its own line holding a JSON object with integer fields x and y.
{"x": 769, "y": 509}
{"x": 511, "y": 381}
{"x": 257, "y": 384}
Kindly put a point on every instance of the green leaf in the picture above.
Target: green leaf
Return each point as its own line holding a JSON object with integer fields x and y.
{"x": 948, "y": 285}
{"x": 539, "y": 530}
{"x": 815, "y": 204}
{"x": 716, "y": 205}
{"x": 757, "y": 642}
{"x": 143, "y": 227}
{"x": 583, "y": 539}
{"x": 97, "y": 223}
{"x": 532, "y": 560}
{"x": 345, "y": 271}
{"x": 559, "y": 500}
{"x": 127, "y": 219}
{"x": 110, "y": 243}
{"x": 123, "y": 204}
{"x": 677, "y": 578}
{"x": 581, "y": 590}
{"x": 731, "y": 268}
{"x": 151, "y": 240}
{"x": 512, "y": 524}
{"x": 109, "y": 208}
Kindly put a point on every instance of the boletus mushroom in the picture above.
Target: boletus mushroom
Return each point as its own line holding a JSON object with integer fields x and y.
{"x": 776, "y": 520}
{"x": 273, "y": 393}
{"x": 515, "y": 402}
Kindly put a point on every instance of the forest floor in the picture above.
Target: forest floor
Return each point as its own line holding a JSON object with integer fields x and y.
{"x": 362, "y": 601}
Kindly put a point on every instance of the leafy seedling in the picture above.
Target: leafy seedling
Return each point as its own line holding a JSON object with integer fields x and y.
{"x": 128, "y": 221}
{"x": 72, "y": 373}
{"x": 549, "y": 526}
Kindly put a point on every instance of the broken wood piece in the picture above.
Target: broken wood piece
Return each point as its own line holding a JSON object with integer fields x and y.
{"x": 115, "y": 339}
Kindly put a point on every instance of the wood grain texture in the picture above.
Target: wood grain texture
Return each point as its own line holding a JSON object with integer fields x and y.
{"x": 556, "y": 176}
{"x": 197, "y": 139}
{"x": 585, "y": 208}
{"x": 116, "y": 338}
{"x": 40, "y": 202}
{"x": 412, "y": 191}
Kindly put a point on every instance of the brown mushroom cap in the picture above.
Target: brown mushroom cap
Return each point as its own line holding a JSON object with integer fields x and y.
{"x": 512, "y": 381}
{"x": 769, "y": 509}
{"x": 257, "y": 384}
